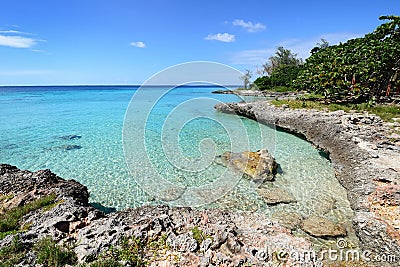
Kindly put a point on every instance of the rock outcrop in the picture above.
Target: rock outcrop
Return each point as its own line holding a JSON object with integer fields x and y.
{"x": 258, "y": 166}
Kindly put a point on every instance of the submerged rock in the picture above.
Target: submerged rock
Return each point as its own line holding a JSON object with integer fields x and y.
{"x": 69, "y": 147}
{"x": 288, "y": 219}
{"x": 275, "y": 195}
{"x": 321, "y": 227}
{"x": 323, "y": 204}
{"x": 258, "y": 166}
{"x": 70, "y": 137}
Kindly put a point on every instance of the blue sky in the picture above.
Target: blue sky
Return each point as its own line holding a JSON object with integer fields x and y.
{"x": 63, "y": 42}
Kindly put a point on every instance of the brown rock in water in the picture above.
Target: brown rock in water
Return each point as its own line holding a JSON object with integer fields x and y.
{"x": 288, "y": 219}
{"x": 322, "y": 227}
{"x": 275, "y": 195}
{"x": 258, "y": 166}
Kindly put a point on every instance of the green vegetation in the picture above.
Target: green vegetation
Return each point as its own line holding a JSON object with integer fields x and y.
{"x": 6, "y": 197}
{"x": 281, "y": 70}
{"x": 131, "y": 250}
{"x": 104, "y": 263}
{"x": 13, "y": 254}
{"x": 10, "y": 219}
{"x": 360, "y": 69}
{"x": 50, "y": 254}
{"x": 386, "y": 112}
{"x": 199, "y": 236}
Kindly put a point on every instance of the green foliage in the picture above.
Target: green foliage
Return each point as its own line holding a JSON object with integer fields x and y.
{"x": 50, "y": 254}
{"x": 282, "y": 69}
{"x": 134, "y": 251}
{"x": 9, "y": 220}
{"x": 282, "y": 57}
{"x": 359, "y": 69}
{"x": 130, "y": 250}
{"x": 199, "y": 236}
{"x": 6, "y": 197}
{"x": 105, "y": 263}
{"x": 13, "y": 254}
{"x": 263, "y": 82}
{"x": 284, "y": 75}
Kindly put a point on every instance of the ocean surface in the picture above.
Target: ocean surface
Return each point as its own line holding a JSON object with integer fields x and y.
{"x": 77, "y": 132}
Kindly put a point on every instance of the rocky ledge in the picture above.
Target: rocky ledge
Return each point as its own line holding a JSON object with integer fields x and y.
{"x": 155, "y": 235}
{"x": 365, "y": 153}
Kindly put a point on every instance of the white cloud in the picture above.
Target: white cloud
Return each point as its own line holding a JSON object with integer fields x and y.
{"x": 17, "y": 41}
{"x": 301, "y": 47}
{"x": 138, "y": 44}
{"x": 249, "y": 26}
{"x": 222, "y": 37}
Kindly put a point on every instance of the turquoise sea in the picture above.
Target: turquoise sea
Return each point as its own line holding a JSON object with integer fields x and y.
{"x": 77, "y": 132}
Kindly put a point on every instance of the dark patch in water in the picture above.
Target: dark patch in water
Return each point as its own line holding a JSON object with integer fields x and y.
{"x": 324, "y": 154}
{"x": 279, "y": 169}
{"x": 10, "y": 146}
{"x": 70, "y": 137}
{"x": 104, "y": 209}
{"x": 67, "y": 147}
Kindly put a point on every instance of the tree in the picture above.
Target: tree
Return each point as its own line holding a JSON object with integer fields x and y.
{"x": 360, "y": 69}
{"x": 246, "y": 78}
{"x": 280, "y": 70}
{"x": 282, "y": 57}
{"x": 322, "y": 45}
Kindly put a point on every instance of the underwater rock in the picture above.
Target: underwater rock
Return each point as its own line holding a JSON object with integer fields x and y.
{"x": 258, "y": 166}
{"x": 69, "y": 147}
{"x": 321, "y": 227}
{"x": 70, "y": 137}
{"x": 275, "y": 195}
{"x": 288, "y": 219}
{"x": 10, "y": 146}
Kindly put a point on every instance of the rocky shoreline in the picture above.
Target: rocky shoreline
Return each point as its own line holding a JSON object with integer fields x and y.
{"x": 365, "y": 153}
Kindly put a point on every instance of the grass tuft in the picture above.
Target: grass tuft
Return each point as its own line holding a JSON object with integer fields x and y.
{"x": 13, "y": 254}
{"x": 50, "y": 254}
{"x": 9, "y": 220}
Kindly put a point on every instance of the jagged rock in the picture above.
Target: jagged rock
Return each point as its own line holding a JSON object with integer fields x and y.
{"x": 275, "y": 195}
{"x": 258, "y": 166}
{"x": 322, "y": 227}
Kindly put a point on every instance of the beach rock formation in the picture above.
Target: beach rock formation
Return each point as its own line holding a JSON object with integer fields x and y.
{"x": 258, "y": 166}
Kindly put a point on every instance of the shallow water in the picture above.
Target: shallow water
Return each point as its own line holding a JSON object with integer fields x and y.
{"x": 77, "y": 133}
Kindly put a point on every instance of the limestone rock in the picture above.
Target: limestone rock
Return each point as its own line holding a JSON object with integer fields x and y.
{"x": 321, "y": 227}
{"x": 287, "y": 219}
{"x": 275, "y": 195}
{"x": 258, "y": 166}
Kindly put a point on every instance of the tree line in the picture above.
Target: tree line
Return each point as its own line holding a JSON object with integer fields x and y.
{"x": 360, "y": 70}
